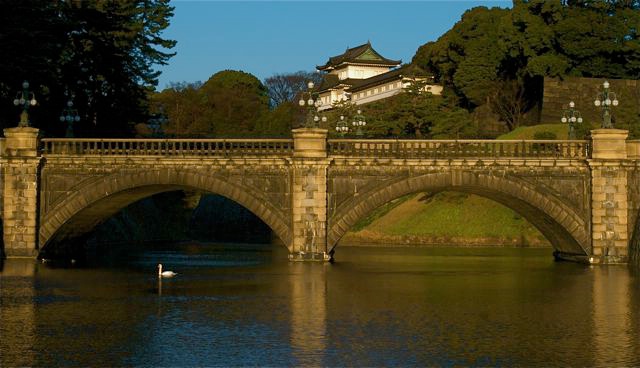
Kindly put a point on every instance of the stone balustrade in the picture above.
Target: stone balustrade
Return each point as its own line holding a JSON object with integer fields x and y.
{"x": 395, "y": 148}
{"x": 167, "y": 147}
{"x": 388, "y": 148}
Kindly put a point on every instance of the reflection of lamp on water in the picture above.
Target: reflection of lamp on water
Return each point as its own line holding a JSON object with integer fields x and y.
{"x": 70, "y": 115}
{"x": 571, "y": 116}
{"x": 606, "y": 99}
{"x": 312, "y": 102}
{"x": 25, "y": 99}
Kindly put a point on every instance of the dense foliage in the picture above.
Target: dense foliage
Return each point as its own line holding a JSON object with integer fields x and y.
{"x": 101, "y": 52}
{"x": 500, "y": 56}
{"x": 409, "y": 115}
{"x": 230, "y": 104}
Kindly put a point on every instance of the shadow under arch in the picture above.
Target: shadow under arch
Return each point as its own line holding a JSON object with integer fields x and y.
{"x": 634, "y": 244}
{"x": 103, "y": 197}
{"x": 567, "y": 232}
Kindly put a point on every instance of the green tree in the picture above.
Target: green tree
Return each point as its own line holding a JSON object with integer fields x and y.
{"x": 30, "y": 44}
{"x": 490, "y": 48}
{"x": 183, "y": 107}
{"x": 234, "y": 100}
{"x": 103, "y": 52}
{"x": 286, "y": 87}
{"x": 468, "y": 58}
{"x": 422, "y": 116}
{"x": 230, "y": 104}
{"x": 109, "y": 63}
{"x": 279, "y": 121}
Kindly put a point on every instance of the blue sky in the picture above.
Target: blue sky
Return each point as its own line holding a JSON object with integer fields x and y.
{"x": 268, "y": 37}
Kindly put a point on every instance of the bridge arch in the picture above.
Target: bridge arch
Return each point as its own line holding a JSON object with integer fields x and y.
{"x": 99, "y": 199}
{"x": 568, "y": 233}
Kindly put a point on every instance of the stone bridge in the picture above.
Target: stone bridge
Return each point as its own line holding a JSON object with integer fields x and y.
{"x": 584, "y": 196}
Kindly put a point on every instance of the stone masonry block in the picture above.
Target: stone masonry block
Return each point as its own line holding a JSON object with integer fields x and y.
{"x": 621, "y": 246}
{"x": 622, "y": 236}
{"x": 620, "y": 197}
{"x": 309, "y": 202}
{"x": 599, "y": 227}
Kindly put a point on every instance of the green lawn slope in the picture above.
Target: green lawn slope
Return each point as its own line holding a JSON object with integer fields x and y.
{"x": 447, "y": 218}
{"x": 528, "y": 132}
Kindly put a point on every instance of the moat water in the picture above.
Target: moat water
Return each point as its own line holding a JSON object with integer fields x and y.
{"x": 247, "y": 306}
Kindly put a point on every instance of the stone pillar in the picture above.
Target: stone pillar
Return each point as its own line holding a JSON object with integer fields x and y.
{"x": 609, "y": 202}
{"x": 20, "y": 201}
{"x": 309, "y": 195}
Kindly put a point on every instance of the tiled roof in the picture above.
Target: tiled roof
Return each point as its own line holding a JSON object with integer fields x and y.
{"x": 363, "y": 54}
{"x": 352, "y": 85}
{"x": 330, "y": 81}
{"x": 378, "y": 79}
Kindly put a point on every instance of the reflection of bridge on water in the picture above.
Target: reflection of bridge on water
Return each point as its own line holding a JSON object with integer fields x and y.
{"x": 583, "y": 196}
{"x": 585, "y": 316}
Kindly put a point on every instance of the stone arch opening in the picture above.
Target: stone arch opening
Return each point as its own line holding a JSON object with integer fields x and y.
{"x": 567, "y": 232}
{"x": 100, "y": 199}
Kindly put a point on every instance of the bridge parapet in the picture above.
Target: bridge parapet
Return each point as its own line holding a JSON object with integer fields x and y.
{"x": 167, "y": 147}
{"x": 394, "y": 148}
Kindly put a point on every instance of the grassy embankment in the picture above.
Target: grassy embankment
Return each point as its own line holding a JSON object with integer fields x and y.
{"x": 450, "y": 217}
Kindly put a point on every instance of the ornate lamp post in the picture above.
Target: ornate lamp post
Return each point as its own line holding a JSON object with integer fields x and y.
{"x": 571, "y": 116}
{"x": 359, "y": 122}
{"x": 342, "y": 127}
{"x": 25, "y": 99}
{"x": 606, "y": 99}
{"x": 310, "y": 100}
{"x": 70, "y": 115}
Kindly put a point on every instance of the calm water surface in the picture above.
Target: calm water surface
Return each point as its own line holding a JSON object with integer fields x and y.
{"x": 374, "y": 307}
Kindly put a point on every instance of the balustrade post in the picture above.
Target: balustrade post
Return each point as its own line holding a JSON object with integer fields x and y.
{"x": 21, "y": 162}
{"x": 309, "y": 195}
{"x": 609, "y": 196}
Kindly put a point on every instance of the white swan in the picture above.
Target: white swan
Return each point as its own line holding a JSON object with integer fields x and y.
{"x": 165, "y": 273}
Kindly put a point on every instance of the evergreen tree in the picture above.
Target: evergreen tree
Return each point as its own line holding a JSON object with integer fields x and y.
{"x": 102, "y": 52}
{"x": 230, "y": 104}
{"x": 489, "y": 49}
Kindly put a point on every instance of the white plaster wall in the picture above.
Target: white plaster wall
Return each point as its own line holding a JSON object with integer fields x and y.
{"x": 358, "y": 71}
{"x": 387, "y": 90}
{"x": 363, "y": 72}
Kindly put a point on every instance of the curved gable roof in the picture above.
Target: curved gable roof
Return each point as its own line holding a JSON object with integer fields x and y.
{"x": 363, "y": 54}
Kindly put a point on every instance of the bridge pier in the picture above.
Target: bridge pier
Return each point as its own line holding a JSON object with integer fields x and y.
{"x": 609, "y": 196}
{"x": 21, "y": 164}
{"x": 309, "y": 195}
